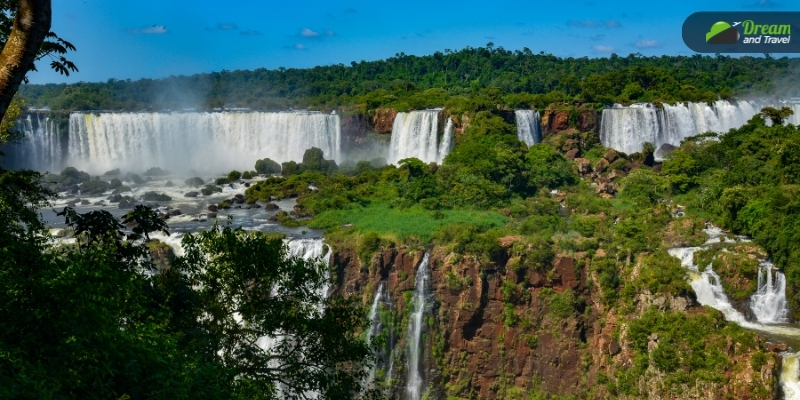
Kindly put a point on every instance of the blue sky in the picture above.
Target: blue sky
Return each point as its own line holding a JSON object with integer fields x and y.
{"x": 132, "y": 39}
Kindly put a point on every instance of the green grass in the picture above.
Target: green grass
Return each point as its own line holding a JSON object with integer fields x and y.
{"x": 378, "y": 217}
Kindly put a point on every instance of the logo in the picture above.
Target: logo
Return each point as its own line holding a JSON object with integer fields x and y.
{"x": 742, "y": 32}
{"x": 722, "y": 33}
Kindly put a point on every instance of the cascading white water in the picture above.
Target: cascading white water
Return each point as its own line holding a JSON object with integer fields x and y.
{"x": 306, "y": 249}
{"x": 374, "y": 326}
{"x": 447, "y": 141}
{"x": 41, "y": 147}
{"x": 769, "y": 302}
{"x": 790, "y": 376}
{"x": 528, "y": 129}
{"x": 416, "y": 134}
{"x": 374, "y": 317}
{"x": 414, "y": 384}
{"x": 312, "y": 249}
{"x": 627, "y": 128}
{"x": 203, "y": 141}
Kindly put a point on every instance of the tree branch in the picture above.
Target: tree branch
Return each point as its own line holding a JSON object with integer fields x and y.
{"x": 31, "y": 26}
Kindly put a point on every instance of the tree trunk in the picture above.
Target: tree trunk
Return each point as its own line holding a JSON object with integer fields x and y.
{"x": 31, "y": 26}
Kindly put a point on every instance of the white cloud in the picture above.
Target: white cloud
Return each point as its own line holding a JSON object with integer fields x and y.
{"x": 648, "y": 44}
{"x": 305, "y": 32}
{"x": 150, "y": 30}
{"x": 602, "y": 48}
{"x": 299, "y": 46}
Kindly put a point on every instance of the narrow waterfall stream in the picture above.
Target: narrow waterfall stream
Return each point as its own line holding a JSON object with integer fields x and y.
{"x": 528, "y": 129}
{"x": 790, "y": 376}
{"x": 414, "y": 383}
{"x": 768, "y": 304}
{"x": 374, "y": 327}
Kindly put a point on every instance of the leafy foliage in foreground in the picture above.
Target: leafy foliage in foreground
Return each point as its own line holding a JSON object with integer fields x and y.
{"x": 97, "y": 318}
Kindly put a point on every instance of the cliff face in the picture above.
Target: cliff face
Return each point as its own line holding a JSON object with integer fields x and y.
{"x": 557, "y": 120}
{"x": 498, "y": 330}
{"x": 384, "y": 119}
{"x": 354, "y": 131}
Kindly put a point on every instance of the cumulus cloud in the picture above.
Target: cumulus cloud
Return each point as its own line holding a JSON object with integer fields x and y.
{"x": 150, "y": 30}
{"x": 227, "y": 26}
{"x": 250, "y": 33}
{"x": 600, "y": 48}
{"x": 648, "y": 44}
{"x": 305, "y": 32}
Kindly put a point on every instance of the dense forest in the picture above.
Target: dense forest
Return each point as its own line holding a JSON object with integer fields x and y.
{"x": 521, "y": 78}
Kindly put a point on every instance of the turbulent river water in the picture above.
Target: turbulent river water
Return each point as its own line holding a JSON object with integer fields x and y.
{"x": 768, "y": 304}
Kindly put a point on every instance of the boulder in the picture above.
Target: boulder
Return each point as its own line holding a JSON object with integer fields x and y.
{"x": 606, "y": 187}
{"x": 584, "y": 166}
{"x": 212, "y": 208}
{"x": 196, "y": 181}
{"x": 601, "y": 166}
{"x": 271, "y": 206}
{"x": 611, "y": 156}
{"x": 174, "y": 213}
{"x": 777, "y": 347}
{"x": 191, "y": 194}
{"x": 572, "y": 154}
{"x": 211, "y": 215}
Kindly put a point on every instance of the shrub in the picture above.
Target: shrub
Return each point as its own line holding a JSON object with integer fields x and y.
{"x": 266, "y": 166}
{"x": 210, "y": 189}
{"x": 153, "y": 196}
{"x": 234, "y": 175}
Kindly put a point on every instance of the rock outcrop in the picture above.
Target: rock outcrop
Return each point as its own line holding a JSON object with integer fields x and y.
{"x": 501, "y": 329}
{"x": 384, "y": 120}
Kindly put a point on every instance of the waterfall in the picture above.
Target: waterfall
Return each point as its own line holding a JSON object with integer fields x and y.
{"x": 374, "y": 316}
{"x": 375, "y": 326}
{"x": 416, "y": 134}
{"x": 627, "y": 128}
{"x": 528, "y": 126}
{"x": 312, "y": 249}
{"x": 203, "y": 141}
{"x": 447, "y": 141}
{"x": 40, "y": 148}
{"x": 306, "y": 249}
{"x": 414, "y": 382}
{"x": 790, "y": 376}
{"x": 769, "y": 302}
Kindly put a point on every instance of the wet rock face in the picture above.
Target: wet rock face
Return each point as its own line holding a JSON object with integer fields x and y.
{"x": 384, "y": 120}
{"x": 502, "y": 327}
{"x": 554, "y": 121}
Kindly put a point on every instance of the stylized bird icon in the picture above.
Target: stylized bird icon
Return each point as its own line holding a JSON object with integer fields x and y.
{"x": 736, "y": 23}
